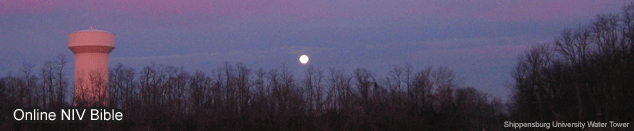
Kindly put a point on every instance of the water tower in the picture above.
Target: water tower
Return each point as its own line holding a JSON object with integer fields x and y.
{"x": 91, "y": 48}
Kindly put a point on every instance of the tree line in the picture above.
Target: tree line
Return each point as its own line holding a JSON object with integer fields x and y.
{"x": 584, "y": 74}
{"x": 234, "y": 96}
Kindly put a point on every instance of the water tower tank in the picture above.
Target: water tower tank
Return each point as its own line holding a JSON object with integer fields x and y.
{"x": 91, "y": 48}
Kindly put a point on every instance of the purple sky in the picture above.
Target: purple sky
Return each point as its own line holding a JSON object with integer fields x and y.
{"x": 479, "y": 39}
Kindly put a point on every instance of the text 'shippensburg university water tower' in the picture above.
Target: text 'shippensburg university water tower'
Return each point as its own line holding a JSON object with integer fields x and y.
{"x": 91, "y": 49}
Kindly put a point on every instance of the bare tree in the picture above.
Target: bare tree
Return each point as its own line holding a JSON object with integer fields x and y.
{"x": 314, "y": 90}
{"x": 47, "y": 87}
{"x": 28, "y": 84}
{"x": 61, "y": 82}
{"x": 363, "y": 78}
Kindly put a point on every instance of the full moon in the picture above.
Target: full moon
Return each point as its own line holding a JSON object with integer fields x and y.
{"x": 303, "y": 59}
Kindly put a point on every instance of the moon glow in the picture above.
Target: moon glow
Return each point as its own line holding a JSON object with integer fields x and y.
{"x": 303, "y": 59}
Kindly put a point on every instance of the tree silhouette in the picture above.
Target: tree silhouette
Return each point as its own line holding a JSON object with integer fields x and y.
{"x": 583, "y": 75}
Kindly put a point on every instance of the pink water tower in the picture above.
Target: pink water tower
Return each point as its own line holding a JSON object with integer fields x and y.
{"x": 91, "y": 48}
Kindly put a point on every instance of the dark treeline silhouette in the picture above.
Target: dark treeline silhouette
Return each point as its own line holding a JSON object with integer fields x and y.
{"x": 585, "y": 74}
{"x": 232, "y": 97}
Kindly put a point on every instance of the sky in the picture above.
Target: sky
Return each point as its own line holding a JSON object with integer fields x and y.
{"x": 480, "y": 40}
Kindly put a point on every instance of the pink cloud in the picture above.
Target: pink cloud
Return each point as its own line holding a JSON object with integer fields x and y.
{"x": 29, "y": 6}
{"x": 166, "y": 8}
{"x": 479, "y": 49}
{"x": 537, "y": 10}
{"x": 547, "y": 10}
{"x": 505, "y": 10}
{"x": 229, "y": 8}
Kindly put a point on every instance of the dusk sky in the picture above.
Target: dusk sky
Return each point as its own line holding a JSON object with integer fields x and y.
{"x": 479, "y": 39}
